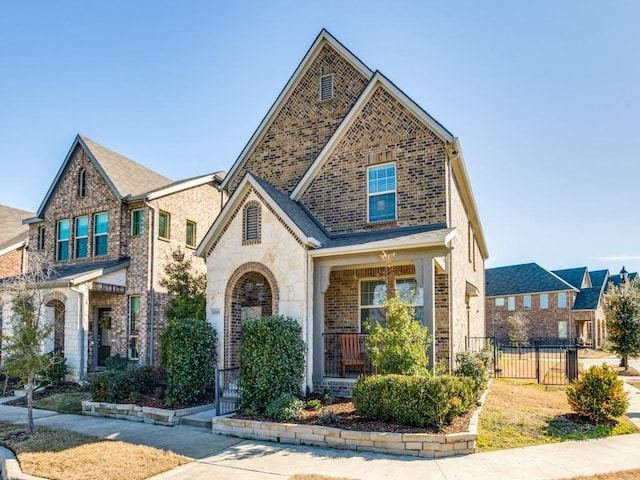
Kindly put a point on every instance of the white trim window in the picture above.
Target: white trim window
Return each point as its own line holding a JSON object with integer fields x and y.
{"x": 62, "y": 240}
{"x": 499, "y": 301}
{"x": 563, "y": 329}
{"x": 562, "y": 300}
{"x": 526, "y": 302}
{"x": 381, "y": 193}
{"x": 544, "y": 301}
{"x": 373, "y": 294}
{"x": 511, "y": 303}
{"x": 134, "y": 322}
{"x": 82, "y": 236}
{"x": 100, "y": 234}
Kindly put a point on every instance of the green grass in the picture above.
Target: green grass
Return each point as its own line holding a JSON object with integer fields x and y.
{"x": 564, "y": 429}
{"x": 63, "y": 402}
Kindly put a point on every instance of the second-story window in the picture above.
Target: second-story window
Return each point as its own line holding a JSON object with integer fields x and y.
{"x": 100, "y": 234}
{"x": 544, "y": 301}
{"x": 82, "y": 236}
{"x": 62, "y": 234}
{"x": 562, "y": 300}
{"x": 41, "y": 232}
{"x": 136, "y": 222}
{"x": 381, "y": 190}
{"x": 526, "y": 302}
{"x": 82, "y": 183}
{"x": 164, "y": 225}
{"x": 511, "y": 303}
{"x": 191, "y": 234}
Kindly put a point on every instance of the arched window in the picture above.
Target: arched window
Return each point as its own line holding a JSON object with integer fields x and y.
{"x": 82, "y": 183}
{"x": 251, "y": 227}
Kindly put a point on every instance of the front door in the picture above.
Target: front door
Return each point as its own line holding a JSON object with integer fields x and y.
{"x": 102, "y": 334}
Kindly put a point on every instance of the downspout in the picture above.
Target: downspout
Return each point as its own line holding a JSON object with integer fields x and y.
{"x": 449, "y": 265}
{"x": 81, "y": 300}
{"x": 150, "y": 278}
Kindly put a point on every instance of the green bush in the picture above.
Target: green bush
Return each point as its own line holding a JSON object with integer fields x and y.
{"x": 598, "y": 394}
{"x": 116, "y": 362}
{"x": 419, "y": 401}
{"x": 285, "y": 408}
{"x": 188, "y": 355}
{"x": 271, "y": 361}
{"x": 399, "y": 346}
{"x": 112, "y": 386}
{"x": 474, "y": 366}
{"x": 147, "y": 380}
{"x": 55, "y": 371}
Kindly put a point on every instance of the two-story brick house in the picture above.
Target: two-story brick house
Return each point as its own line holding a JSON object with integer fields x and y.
{"x": 107, "y": 226}
{"x": 559, "y": 306}
{"x": 344, "y": 166}
{"x": 14, "y": 236}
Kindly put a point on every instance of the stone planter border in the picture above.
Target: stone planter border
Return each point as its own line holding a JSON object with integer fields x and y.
{"x": 136, "y": 413}
{"x": 416, "y": 444}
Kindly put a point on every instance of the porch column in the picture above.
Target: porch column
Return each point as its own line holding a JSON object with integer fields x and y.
{"x": 320, "y": 286}
{"x": 425, "y": 278}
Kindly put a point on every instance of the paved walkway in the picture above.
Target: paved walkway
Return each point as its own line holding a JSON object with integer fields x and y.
{"x": 226, "y": 458}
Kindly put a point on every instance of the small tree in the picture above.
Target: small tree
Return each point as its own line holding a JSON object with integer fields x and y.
{"x": 518, "y": 330}
{"x": 23, "y": 354}
{"x": 186, "y": 287}
{"x": 401, "y": 345}
{"x": 622, "y": 310}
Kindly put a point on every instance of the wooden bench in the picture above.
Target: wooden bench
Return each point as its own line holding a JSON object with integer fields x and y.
{"x": 352, "y": 356}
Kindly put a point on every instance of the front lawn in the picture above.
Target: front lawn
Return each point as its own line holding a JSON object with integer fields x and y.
{"x": 520, "y": 413}
{"x": 63, "y": 402}
{"x": 66, "y": 455}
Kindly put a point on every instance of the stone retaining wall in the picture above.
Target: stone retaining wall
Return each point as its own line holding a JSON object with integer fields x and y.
{"x": 136, "y": 413}
{"x": 417, "y": 444}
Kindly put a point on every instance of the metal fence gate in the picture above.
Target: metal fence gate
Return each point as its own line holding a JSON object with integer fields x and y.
{"x": 548, "y": 361}
{"x": 227, "y": 392}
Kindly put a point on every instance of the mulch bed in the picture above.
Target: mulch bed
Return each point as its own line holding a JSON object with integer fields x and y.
{"x": 345, "y": 417}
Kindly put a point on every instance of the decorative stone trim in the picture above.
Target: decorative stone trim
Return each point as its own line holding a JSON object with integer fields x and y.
{"x": 415, "y": 444}
{"x": 136, "y": 413}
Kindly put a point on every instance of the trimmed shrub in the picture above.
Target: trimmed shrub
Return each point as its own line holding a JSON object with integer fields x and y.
{"x": 116, "y": 362}
{"x": 285, "y": 408}
{"x": 271, "y": 361}
{"x": 148, "y": 380}
{"x": 188, "y": 355}
{"x": 473, "y": 366}
{"x": 419, "y": 401}
{"x": 55, "y": 371}
{"x": 598, "y": 394}
{"x": 112, "y": 386}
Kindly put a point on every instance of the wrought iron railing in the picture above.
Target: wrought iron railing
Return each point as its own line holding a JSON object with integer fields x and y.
{"x": 227, "y": 390}
{"x": 333, "y": 357}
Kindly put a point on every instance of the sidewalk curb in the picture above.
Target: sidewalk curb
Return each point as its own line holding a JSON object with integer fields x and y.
{"x": 11, "y": 468}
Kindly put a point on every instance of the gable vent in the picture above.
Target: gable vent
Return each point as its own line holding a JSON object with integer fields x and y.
{"x": 326, "y": 87}
{"x": 252, "y": 223}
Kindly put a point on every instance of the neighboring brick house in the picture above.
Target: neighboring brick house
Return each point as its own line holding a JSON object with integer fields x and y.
{"x": 107, "y": 225}
{"x": 345, "y": 166}
{"x": 560, "y": 305}
{"x": 14, "y": 236}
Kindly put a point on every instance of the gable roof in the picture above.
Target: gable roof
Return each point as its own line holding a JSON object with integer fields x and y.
{"x": 378, "y": 80}
{"x": 616, "y": 280}
{"x": 588, "y": 298}
{"x": 309, "y": 231}
{"x": 523, "y": 279}
{"x": 573, "y": 276}
{"x": 12, "y": 230}
{"x": 314, "y": 50}
{"x": 125, "y": 177}
{"x": 599, "y": 277}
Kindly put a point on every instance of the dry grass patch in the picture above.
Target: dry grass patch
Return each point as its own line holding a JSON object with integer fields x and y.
{"x": 61, "y": 454}
{"x": 588, "y": 353}
{"x": 520, "y": 413}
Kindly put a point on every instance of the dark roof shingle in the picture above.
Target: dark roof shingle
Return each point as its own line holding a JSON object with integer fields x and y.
{"x": 573, "y": 276}
{"x": 521, "y": 279}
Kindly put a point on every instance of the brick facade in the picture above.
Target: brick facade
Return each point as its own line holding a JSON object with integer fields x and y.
{"x": 13, "y": 262}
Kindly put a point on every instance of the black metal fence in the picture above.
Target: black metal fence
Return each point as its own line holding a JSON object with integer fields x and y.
{"x": 227, "y": 390}
{"x": 548, "y": 361}
{"x": 333, "y": 356}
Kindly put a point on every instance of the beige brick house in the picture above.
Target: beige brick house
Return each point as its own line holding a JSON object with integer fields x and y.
{"x": 14, "y": 236}
{"x": 559, "y": 306}
{"x": 344, "y": 166}
{"x": 107, "y": 226}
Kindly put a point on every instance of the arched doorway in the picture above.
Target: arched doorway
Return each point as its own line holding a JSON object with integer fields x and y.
{"x": 252, "y": 292}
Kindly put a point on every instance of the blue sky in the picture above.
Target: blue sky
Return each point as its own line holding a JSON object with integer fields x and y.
{"x": 544, "y": 96}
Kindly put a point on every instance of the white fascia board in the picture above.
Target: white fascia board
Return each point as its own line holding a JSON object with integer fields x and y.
{"x": 377, "y": 80}
{"x": 29, "y": 221}
{"x": 194, "y": 182}
{"x": 93, "y": 274}
{"x": 310, "y": 56}
{"x": 443, "y": 240}
{"x": 11, "y": 248}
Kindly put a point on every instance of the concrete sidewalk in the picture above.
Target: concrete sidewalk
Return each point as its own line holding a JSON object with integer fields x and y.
{"x": 220, "y": 457}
